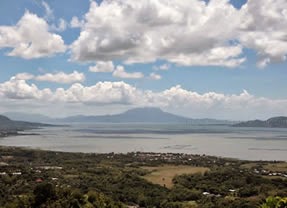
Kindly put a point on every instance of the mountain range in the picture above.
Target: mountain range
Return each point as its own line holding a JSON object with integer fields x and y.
{"x": 138, "y": 115}
{"x": 275, "y": 122}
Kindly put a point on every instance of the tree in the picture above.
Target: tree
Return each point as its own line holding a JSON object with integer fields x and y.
{"x": 44, "y": 192}
{"x": 275, "y": 202}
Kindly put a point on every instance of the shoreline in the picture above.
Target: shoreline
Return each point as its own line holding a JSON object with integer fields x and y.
{"x": 151, "y": 154}
{"x": 9, "y": 134}
{"x": 30, "y": 148}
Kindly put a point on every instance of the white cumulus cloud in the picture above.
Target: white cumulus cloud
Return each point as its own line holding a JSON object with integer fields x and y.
{"x": 264, "y": 29}
{"x": 163, "y": 67}
{"x": 121, "y": 73}
{"x": 76, "y": 23}
{"x": 49, "y": 13}
{"x": 154, "y": 76}
{"x": 24, "y": 76}
{"x": 142, "y": 31}
{"x": 62, "y": 77}
{"x": 191, "y": 33}
{"x": 30, "y": 38}
{"x": 59, "y": 77}
{"x": 62, "y": 26}
{"x": 19, "y": 89}
{"x": 117, "y": 71}
{"x": 102, "y": 66}
{"x": 100, "y": 93}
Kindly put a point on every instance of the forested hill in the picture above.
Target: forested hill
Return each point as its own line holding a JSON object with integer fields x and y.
{"x": 275, "y": 122}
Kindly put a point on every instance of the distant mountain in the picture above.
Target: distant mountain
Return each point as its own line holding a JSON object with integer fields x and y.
{"x": 8, "y": 126}
{"x": 141, "y": 115}
{"x": 275, "y": 122}
{"x": 28, "y": 117}
{"x": 134, "y": 115}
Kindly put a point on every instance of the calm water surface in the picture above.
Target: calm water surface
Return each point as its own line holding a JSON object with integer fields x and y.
{"x": 225, "y": 141}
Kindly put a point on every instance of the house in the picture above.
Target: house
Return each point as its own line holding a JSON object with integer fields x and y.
{"x": 17, "y": 173}
{"x": 39, "y": 180}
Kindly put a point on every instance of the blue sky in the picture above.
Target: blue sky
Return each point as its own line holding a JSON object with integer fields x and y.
{"x": 231, "y": 58}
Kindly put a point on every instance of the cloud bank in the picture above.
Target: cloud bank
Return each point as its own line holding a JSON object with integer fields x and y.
{"x": 177, "y": 99}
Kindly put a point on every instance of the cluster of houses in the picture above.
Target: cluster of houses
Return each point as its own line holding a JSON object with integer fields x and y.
{"x": 179, "y": 158}
{"x": 6, "y": 169}
{"x": 264, "y": 172}
{"x": 232, "y": 192}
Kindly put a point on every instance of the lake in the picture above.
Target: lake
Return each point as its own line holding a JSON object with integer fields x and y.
{"x": 225, "y": 141}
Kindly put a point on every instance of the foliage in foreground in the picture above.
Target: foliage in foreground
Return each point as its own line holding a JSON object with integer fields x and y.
{"x": 275, "y": 202}
{"x": 46, "y": 195}
{"x": 74, "y": 180}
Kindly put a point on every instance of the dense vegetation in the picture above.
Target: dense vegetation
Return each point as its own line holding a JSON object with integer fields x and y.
{"x": 275, "y": 202}
{"x": 32, "y": 178}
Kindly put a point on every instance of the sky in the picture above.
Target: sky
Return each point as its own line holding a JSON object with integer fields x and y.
{"x": 202, "y": 59}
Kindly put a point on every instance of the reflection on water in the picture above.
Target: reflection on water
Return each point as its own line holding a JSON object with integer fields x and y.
{"x": 242, "y": 143}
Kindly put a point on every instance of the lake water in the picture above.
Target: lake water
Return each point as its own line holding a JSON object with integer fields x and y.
{"x": 225, "y": 141}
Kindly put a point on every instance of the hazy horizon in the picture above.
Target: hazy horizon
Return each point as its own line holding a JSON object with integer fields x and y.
{"x": 19, "y": 113}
